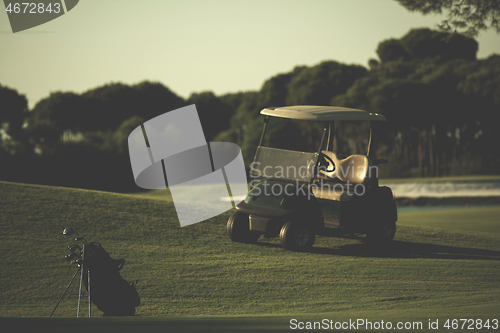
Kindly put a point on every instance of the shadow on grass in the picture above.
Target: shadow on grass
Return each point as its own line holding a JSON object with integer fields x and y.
{"x": 400, "y": 249}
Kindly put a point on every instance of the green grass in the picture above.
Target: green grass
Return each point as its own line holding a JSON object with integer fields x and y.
{"x": 429, "y": 272}
{"x": 476, "y": 219}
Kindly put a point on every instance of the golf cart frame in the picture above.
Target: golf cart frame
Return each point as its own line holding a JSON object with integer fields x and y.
{"x": 297, "y": 195}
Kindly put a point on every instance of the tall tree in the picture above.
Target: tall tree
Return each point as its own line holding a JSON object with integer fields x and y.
{"x": 63, "y": 109}
{"x": 13, "y": 111}
{"x": 318, "y": 84}
{"x": 275, "y": 91}
{"x": 427, "y": 43}
{"x": 213, "y": 112}
{"x": 155, "y": 99}
{"x": 392, "y": 49}
{"x": 107, "y": 106}
{"x": 468, "y": 17}
{"x": 52, "y": 116}
{"x": 246, "y": 108}
{"x": 120, "y": 136}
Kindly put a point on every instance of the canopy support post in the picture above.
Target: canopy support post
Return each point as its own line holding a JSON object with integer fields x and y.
{"x": 329, "y": 135}
{"x": 266, "y": 121}
{"x": 319, "y": 152}
{"x": 369, "y": 141}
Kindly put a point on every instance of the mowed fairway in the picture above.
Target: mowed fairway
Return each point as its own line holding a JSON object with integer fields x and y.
{"x": 477, "y": 219}
{"x": 195, "y": 277}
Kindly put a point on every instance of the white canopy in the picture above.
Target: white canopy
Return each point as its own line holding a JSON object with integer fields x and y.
{"x": 321, "y": 113}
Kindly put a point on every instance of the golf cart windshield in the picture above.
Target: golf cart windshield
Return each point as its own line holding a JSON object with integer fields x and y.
{"x": 273, "y": 163}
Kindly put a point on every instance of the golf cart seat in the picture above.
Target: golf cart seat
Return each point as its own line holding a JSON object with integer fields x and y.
{"x": 353, "y": 169}
{"x": 346, "y": 173}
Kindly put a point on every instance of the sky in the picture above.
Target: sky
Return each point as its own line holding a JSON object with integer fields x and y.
{"x": 199, "y": 45}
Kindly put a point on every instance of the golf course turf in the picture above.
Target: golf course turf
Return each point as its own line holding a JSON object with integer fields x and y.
{"x": 442, "y": 265}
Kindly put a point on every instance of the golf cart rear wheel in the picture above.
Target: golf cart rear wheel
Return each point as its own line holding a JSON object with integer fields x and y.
{"x": 382, "y": 234}
{"x": 238, "y": 229}
{"x": 296, "y": 236}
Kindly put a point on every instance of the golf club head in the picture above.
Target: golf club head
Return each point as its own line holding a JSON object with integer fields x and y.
{"x": 69, "y": 231}
{"x": 78, "y": 261}
{"x": 80, "y": 238}
{"x": 74, "y": 247}
{"x": 70, "y": 256}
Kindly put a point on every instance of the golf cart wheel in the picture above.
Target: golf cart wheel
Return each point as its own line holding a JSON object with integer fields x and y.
{"x": 238, "y": 229}
{"x": 296, "y": 236}
{"x": 382, "y": 234}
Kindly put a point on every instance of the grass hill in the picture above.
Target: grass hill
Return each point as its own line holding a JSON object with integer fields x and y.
{"x": 431, "y": 270}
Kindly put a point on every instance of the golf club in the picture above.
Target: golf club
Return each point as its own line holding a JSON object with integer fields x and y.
{"x": 72, "y": 231}
{"x": 77, "y": 258}
{"x": 71, "y": 256}
{"x": 69, "y": 231}
{"x": 74, "y": 247}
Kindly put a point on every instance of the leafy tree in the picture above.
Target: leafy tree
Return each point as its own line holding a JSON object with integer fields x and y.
{"x": 155, "y": 99}
{"x": 246, "y": 106}
{"x": 98, "y": 113}
{"x": 426, "y": 43}
{"x": 480, "y": 84}
{"x": 275, "y": 91}
{"x": 64, "y": 109}
{"x": 465, "y": 16}
{"x": 120, "y": 136}
{"x": 318, "y": 84}
{"x": 392, "y": 49}
{"x": 213, "y": 112}
{"x": 373, "y": 63}
{"x": 233, "y": 100}
{"x": 107, "y": 106}
{"x": 51, "y": 117}
{"x": 13, "y": 111}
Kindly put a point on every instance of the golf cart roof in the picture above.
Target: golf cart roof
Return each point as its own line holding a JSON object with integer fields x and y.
{"x": 321, "y": 113}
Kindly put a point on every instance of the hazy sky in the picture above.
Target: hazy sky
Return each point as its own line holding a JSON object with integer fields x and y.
{"x": 192, "y": 46}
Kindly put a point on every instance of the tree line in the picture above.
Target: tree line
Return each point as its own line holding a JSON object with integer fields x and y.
{"x": 441, "y": 102}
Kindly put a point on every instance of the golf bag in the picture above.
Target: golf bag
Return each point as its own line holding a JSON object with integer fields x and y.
{"x": 108, "y": 290}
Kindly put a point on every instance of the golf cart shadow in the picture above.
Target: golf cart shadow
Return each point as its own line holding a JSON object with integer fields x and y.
{"x": 401, "y": 249}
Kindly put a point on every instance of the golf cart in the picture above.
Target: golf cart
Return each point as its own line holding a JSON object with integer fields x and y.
{"x": 297, "y": 195}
